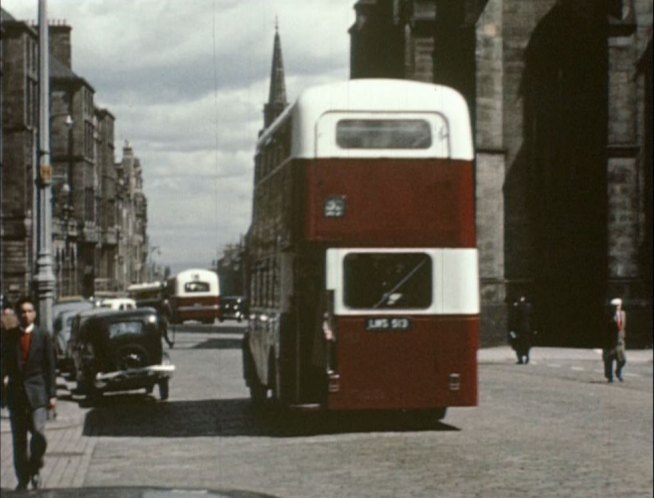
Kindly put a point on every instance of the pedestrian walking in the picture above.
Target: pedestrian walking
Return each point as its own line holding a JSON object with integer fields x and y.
{"x": 9, "y": 322}
{"x": 614, "y": 341}
{"x": 28, "y": 371}
{"x": 521, "y": 329}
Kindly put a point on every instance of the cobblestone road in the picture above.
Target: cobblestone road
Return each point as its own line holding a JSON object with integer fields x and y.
{"x": 551, "y": 428}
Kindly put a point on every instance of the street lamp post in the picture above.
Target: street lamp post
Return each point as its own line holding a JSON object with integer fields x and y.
{"x": 44, "y": 278}
{"x": 151, "y": 263}
{"x": 64, "y": 264}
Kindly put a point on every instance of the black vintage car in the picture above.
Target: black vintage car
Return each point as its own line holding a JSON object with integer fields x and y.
{"x": 120, "y": 351}
{"x": 64, "y": 314}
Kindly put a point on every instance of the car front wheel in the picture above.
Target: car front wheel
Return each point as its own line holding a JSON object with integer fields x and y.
{"x": 163, "y": 389}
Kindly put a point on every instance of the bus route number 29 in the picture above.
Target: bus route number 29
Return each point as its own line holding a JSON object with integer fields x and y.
{"x": 388, "y": 323}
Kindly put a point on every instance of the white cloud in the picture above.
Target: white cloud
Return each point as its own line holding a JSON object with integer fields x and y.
{"x": 187, "y": 81}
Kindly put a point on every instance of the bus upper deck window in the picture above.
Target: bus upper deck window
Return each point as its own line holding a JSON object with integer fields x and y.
{"x": 196, "y": 287}
{"x": 383, "y": 134}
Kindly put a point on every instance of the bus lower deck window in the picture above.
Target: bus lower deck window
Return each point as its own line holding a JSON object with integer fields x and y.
{"x": 387, "y": 280}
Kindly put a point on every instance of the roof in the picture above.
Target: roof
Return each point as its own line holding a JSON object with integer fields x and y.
{"x": 60, "y": 70}
{"x": 6, "y": 16}
{"x": 375, "y": 96}
{"x": 10, "y": 23}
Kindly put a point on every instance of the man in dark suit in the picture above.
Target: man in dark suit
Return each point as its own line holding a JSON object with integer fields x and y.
{"x": 28, "y": 372}
{"x": 521, "y": 329}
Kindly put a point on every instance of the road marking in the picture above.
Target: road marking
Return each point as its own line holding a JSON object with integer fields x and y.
{"x": 578, "y": 369}
{"x": 554, "y": 365}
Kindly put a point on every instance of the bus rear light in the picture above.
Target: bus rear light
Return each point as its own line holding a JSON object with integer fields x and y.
{"x": 333, "y": 382}
{"x": 455, "y": 382}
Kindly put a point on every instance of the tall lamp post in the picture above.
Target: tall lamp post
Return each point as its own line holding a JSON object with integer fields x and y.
{"x": 64, "y": 198}
{"x": 44, "y": 278}
{"x": 151, "y": 269}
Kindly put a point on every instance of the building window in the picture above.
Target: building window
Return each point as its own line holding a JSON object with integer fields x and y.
{"x": 89, "y": 204}
{"x": 88, "y": 139}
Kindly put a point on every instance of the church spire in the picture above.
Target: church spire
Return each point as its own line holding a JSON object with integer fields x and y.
{"x": 277, "y": 96}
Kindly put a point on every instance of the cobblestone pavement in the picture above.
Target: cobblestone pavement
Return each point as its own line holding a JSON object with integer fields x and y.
{"x": 551, "y": 428}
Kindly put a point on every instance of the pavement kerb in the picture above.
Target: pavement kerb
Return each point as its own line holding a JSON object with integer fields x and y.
{"x": 504, "y": 354}
{"x": 69, "y": 415}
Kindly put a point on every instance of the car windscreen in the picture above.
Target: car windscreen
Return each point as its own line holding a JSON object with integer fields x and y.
{"x": 387, "y": 280}
{"x": 125, "y": 328}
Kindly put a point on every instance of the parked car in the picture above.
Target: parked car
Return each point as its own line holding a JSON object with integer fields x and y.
{"x": 120, "y": 351}
{"x": 64, "y": 312}
{"x": 232, "y": 308}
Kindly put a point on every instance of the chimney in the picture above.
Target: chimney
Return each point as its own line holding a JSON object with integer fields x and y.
{"x": 60, "y": 42}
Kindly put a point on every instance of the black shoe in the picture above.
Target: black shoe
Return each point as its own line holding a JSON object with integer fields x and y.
{"x": 609, "y": 379}
{"x": 36, "y": 481}
{"x": 21, "y": 486}
{"x": 619, "y": 376}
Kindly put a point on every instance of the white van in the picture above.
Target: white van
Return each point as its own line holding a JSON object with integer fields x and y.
{"x": 118, "y": 303}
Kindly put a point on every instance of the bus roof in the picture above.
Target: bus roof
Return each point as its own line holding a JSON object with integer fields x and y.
{"x": 189, "y": 274}
{"x": 196, "y": 275}
{"x": 145, "y": 286}
{"x": 374, "y": 96}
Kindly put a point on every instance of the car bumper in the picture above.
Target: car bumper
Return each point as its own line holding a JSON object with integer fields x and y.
{"x": 145, "y": 375}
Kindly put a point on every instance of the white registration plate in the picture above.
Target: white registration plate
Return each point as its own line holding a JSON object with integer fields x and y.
{"x": 388, "y": 323}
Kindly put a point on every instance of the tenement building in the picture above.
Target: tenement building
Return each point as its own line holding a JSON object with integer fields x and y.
{"x": 99, "y": 209}
{"x": 560, "y": 98}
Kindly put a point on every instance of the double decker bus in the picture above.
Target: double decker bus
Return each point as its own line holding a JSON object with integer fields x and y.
{"x": 362, "y": 259}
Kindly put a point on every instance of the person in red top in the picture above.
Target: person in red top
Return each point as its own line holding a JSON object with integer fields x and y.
{"x": 28, "y": 372}
{"x": 614, "y": 344}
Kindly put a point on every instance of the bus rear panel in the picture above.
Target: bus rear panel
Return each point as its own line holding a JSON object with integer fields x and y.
{"x": 404, "y": 326}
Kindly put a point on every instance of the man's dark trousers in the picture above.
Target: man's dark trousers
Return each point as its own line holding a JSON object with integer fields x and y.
{"x": 24, "y": 420}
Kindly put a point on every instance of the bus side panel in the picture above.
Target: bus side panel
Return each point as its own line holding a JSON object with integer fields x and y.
{"x": 201, "y": 308}
{"x": 427, "y": 202}
{"x": 432, "y": 365}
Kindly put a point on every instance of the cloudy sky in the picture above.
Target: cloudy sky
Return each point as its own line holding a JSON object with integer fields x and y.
{"x": 186, "y": 81}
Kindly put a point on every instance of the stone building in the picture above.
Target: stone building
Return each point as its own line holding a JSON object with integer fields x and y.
{"x": 231, "y": 271}
{"x": 99, "y": 210}
{"x": 560, "y": 99}
{"x": 277, "y": 91}
{"x": 132, "y": 213}
{"x": 236, "y": 264}
{"x": 19, "y": 139}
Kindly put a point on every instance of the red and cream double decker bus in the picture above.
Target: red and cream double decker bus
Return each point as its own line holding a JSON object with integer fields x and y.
{"x": 363, "y": 272}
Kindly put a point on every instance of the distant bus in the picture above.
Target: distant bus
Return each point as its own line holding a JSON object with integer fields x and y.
{"x": 362, "y": 260}
{"x": 193, "y": 295}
